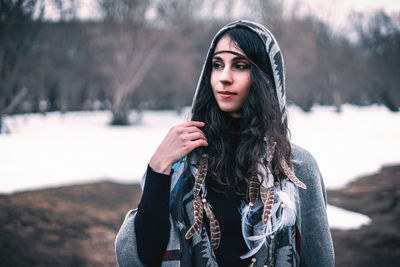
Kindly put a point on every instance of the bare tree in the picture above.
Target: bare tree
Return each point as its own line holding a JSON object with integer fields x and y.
{"x": 131, "y": 49}
{"x": 17, "y": 35}
{"x": 381, "y": 42}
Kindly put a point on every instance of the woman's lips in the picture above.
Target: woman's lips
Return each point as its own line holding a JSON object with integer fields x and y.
{"x": 226, "y": 94}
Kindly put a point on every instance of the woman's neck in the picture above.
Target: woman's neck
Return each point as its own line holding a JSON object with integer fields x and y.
{"x": 235, "y": 124}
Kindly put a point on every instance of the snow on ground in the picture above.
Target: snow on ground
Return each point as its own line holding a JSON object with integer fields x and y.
{"x": 78, "y": 147}
{"x": 350, "y": 144}
{"x": 345, "y": 220}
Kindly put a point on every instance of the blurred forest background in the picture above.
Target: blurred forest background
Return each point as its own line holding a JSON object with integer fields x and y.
{"x": 147, "y": 54}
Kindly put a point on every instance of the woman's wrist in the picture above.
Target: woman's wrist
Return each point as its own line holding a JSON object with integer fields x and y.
{"x": 160, "y": 166}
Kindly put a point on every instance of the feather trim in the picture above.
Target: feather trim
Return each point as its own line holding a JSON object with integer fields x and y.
{"x": 254, "y": 250}
{"x": 254, "y": 189}
{"x": 246, "y": 213}
{"x": 286, "y": 201}
{"x": 198, "y": 219}
{"x": 269, "y": 201}
{"x": 282, "y": 214}
{"x": 291, "y": 176}
{"x": 200, "y": 206}
{"x": 215, "y": 232}
{"x": 201, "y": 175}
{"x": 288, "y": 197}
{"x": 197, "y": 205}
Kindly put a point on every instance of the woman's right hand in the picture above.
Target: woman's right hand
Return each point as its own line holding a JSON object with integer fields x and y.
{"x": 180, "y": 141}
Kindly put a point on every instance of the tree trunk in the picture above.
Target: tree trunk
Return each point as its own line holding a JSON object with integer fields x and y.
{"x": 120, "y": 106}
{"x": 121, "y": 116}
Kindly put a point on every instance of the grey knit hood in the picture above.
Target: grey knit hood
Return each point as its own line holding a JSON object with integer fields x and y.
{"x": 271, "y": 48}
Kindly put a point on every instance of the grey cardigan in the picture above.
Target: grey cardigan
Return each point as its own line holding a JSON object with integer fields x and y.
{"x": 311, "y": 222}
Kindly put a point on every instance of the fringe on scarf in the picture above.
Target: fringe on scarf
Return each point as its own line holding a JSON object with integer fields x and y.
{"x": 201, "y": 206}
{"x": 278, "y": 203}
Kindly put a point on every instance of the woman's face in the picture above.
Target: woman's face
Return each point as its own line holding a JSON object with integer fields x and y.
{"x": 230, "y": 77}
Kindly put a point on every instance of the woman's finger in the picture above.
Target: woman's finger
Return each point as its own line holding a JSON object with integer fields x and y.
{"x": 193, "y": 123}
{"x": 197, "y": 143}
{"x": 193, "y": 130}
{"x": 195, "y": 135}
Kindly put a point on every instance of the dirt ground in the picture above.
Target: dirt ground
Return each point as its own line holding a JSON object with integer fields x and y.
{"x": 77, "y": 225}
{"x": 377, "y": 244}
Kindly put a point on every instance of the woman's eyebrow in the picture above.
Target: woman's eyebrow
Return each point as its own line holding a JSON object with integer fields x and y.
{"x": 217, "y": 58}
{"x": 240, "y": 58}
{"x": 236, "y": 58}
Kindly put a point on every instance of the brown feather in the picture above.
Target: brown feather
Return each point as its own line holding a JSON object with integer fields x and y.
{"x": 198, "y": 219}
{"x": 201, "y": 174}
{"x": 198, "y": 215}
{"x": 190, "y": 232}
{"x": 291, "y": 176}
{"x": 197, "y": 203}
{"x": 254, "y": 189}
{"x": 269, "y": 202}
{"x": 215, "y": 232}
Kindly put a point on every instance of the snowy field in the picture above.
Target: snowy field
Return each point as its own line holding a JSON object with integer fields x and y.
{"x": 79, "y": 147}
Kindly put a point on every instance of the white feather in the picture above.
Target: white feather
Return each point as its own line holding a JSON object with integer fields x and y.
{"x": 255, "y": 237}
{"x": 254, "y": 250}
{"x": 246, "y": 225}
{"x": 285, "y": 199}
{"x": 281, "y": 216}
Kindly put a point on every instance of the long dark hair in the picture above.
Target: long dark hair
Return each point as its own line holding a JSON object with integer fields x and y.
{"x": 229, "y": 172}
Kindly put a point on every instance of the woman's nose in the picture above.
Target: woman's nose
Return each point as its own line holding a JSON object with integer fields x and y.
{"x": 226, "y": 76}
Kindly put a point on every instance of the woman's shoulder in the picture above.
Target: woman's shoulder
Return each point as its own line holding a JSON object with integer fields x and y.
{"x": 301, "y": 155}
{"x": 305, "y": 165}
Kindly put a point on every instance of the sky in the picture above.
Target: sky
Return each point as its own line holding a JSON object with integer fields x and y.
{"x": 336, "y": 13}
{"x": 335, "y": 10}
{"x": 339, "y": 6}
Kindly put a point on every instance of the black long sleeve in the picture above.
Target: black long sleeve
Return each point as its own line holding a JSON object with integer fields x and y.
{"x": 152, "y": 219}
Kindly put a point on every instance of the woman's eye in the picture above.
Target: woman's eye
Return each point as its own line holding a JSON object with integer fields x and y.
{"x": 217, "y": 65}
{"x": 242, "y": 66}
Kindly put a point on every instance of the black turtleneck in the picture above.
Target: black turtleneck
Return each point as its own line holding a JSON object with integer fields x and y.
{"x": 235, "y": 126}
{"x": 227, "y": 211}
{"x": 152, "y": 221}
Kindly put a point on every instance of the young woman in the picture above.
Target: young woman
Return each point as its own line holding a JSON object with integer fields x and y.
{"x": 227, "y": 188}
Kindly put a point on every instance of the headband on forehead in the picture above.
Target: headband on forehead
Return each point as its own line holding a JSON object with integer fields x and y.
{"x": 239, "y": 55}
